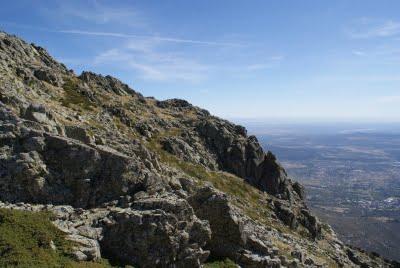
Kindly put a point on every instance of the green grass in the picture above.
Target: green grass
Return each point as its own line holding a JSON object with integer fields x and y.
{"x": 227, "y": 263}
{"x": 73, "y": 98}
{"x": 25, "y": 241}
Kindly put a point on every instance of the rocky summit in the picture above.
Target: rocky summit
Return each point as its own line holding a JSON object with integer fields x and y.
{"x": 148, "y": 183}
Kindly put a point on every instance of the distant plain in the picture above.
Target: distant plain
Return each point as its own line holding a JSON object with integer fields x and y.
{"x": 351, "y": 173}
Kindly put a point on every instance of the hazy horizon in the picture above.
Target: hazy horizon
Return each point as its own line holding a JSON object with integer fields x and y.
{"x": 314, "y": 120}
{"x": 299, "y": 127}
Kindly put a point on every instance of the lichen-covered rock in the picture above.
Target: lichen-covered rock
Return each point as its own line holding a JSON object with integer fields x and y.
{"x": 47, "y": 75}
{"x": 66, "y": 171}
{"x": 181, "y": 149}
{"x": 41, "y": 115}
{"x": 162, "y": 232}
{"x": 78, "y": 133}
{"x": 157, "y": 232}
{"x": 225, "y": 222}
{"x": 174, "y": 103}
{"x": 145, "y": 129}
{"x": 106, "y": 83}
{"x": 87, "y": 249}
{"x": 233, "y": 235}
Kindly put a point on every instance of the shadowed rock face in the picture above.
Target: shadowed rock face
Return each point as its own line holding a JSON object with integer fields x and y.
{"x": 243, "y": 156}
{"x": 135, "y": 180}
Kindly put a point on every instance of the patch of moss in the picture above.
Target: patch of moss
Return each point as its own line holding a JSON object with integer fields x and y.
{"x": 100, "y": 264}
{"x": 73, "y": 98}
{"x": 227, "y": 263}
{"x": 31, "y": 83}
{"x": 26, "y": 240}
{"x": 124, "y": 129}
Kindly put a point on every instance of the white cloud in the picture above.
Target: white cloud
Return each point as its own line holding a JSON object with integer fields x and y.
{"x": 268, "y": 63}
{"x": 384, "y": 53}
{"x": 258, "y": 66}
{"x": 151, "y": 56}
{"x": 367, "y": 30}
{"x": 152, "y": 64}
{"x": 150, "y": 60}
{"x": 358, "y": 53}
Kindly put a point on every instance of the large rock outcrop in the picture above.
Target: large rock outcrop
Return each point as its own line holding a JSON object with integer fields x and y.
{"x": 41, "y": 167}
{"x": 235, "y": 235}
{"x": 157, "y": 232}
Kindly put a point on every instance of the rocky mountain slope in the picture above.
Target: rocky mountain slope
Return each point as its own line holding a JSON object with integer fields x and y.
{"x": 148, "y": 183}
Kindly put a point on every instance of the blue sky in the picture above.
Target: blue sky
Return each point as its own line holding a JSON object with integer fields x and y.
{"x": 275, "y": 60}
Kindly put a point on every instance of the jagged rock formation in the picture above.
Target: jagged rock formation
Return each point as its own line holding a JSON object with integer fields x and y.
{"x": 145, "y": 182}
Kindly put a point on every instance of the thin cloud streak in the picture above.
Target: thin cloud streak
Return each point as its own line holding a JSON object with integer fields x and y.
{"x": 123, "y": 35}
{"x": 269, "y": 63}
{"x": 95, "y": 12}
{"x": 156, "y": 38}
{"x": 386, "y": 29}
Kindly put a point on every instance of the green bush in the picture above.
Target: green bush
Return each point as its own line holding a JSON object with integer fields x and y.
{"x": 72, "y": 96}
{"x": 26, "y": 238}
{"x": 227, "y": 263}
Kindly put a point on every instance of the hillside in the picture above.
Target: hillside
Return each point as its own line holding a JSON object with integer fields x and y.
{"x": 144, "y": 182}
